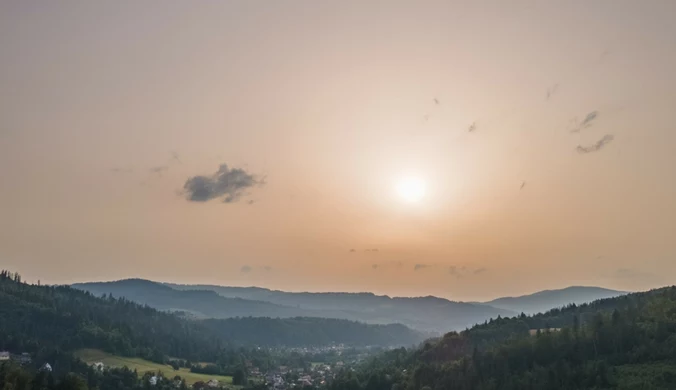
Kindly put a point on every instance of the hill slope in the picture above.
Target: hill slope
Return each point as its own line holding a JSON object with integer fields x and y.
{"x": 32, "y": 317}
{"x": 543, "y": 301}
{"x": 627, "y": 342}
{"x": 305, "y": 331}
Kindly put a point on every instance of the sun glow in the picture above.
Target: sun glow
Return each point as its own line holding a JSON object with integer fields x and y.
{"x": 411, "y": 189}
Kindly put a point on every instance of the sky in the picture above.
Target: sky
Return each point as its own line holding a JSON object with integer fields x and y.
{"x": 266, "y": 143}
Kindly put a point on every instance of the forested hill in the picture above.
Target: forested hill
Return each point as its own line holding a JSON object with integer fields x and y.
{"x": 628, "y": 342}
{"x": 33, "y": 317}
{"x": 304, "y": 331}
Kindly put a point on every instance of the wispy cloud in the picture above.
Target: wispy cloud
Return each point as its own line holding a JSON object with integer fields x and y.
{"x": 552, "y": 90}
{"x": 461, "y": 272}
{"x": 585, "y": 123}
{"x": 418, "y": 267}
{"x": 176, "y": 157}
{"x": 159, "y": 171}
{"x": 598, "y": 145}
{"x": 122, "y": 170}
{"x": 245, "y": 269}
{"x": 228, "y": 184}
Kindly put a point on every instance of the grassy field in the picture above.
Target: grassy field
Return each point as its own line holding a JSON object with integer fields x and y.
{"x": 141, "y": 365}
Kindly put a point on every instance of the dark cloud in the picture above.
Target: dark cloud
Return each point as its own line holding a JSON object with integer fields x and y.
{"x": 159, "y": 171}
{"x": 472, "y": 127}
{"x": 608, "y": 138}
{"x": 251, "y": 201}
{"x": 436, "y": 101}
{"x": 552, "y": 90}
{"x": 420, "y": 266}
{"x": 374, "y": 266}
{"x": 230, "y": 184}
{"x": 480, "y": 271}
{"x": 586, "y": 122}
{"x": 267, "y": 268}
{"x": 352, "y": 250}
{"x": 245, "y": 269}
{"x": 523, "y": 184}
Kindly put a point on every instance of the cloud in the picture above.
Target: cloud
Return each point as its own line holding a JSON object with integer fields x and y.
{"x": 455, "y": 271}
{"x": 230, "y": 184}
{"x": 122, "y": 170}
{"x": 608, "y": 138}
{"x": 374, "y": 266}
{"x": 176, "y": 157}
{"x": 480, "y": 271}
{"x": 352, "y": 250}
{"x": 371, "y": 250}
{"x": 159, "y": 170}
{"x": 418, "y": 267}
{"x": 472, "y": 127}
{"x": 586, "y": 122}
{"x": 629, "y": 275}
{"x": 267, "y": 268}
{"x": 245, "y": 269}
{"x": 552, "y": 90}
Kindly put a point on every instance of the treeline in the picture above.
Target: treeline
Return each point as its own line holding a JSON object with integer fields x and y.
{"x": 36, "y": 317}
{"x": 304, "y": 331}
{"x": 620, "y": 343}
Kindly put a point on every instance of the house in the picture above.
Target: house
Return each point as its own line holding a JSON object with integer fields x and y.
{"x": 153, "y": 380}
{"x": 98, "y": 366}
{"x": 46, "y": 367}
{"x": 24, "y": 358}
{"x": 4, "y": 355}
{"x": 534, "y": 332}
{"x": 212, "y": 383}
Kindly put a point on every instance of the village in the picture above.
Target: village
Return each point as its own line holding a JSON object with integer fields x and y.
{"x": 313, "y": 375}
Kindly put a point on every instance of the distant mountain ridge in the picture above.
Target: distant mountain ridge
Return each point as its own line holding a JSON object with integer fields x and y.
{"x": 427, "y": 314}
{"x": 545, "y": 300}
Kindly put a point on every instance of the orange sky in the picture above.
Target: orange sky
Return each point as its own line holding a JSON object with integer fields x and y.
{"x": 333, "y": 103}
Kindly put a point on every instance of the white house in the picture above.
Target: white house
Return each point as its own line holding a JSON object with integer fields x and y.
{"x": 98, "y": 366}
{"x": 212, "y": 383}
{"x": 46, "y": 367}
{"x": 4, "y": 355}
{"x": 153, "y": 380}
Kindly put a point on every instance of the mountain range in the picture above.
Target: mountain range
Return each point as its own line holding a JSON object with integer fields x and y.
{"x": 427, "y": 314}
{"x": 543, "y": 301}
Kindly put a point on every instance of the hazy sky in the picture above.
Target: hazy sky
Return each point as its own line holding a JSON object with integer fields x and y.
{"x": 115, "y": 118}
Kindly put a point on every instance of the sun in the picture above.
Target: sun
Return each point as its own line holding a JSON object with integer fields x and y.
{"x": 411, "y": 189}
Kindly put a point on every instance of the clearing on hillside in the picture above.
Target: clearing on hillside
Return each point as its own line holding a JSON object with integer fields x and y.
{"x": 91, "y": 356}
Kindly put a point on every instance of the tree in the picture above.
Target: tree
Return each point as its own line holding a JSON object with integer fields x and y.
{"x": 239, "y": 377}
